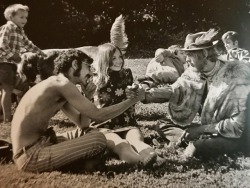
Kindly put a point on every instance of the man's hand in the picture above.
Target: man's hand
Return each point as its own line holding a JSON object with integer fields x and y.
{"x": 159, "y": 58}
{"x": 16, "y": 58}
{"x": 193, "y": 133}
{"x": 135, "y": 91}
{"x": 89, "y": 90}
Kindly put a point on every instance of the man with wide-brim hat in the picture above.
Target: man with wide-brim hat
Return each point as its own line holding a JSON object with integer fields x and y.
{"x": 217, "y": 90}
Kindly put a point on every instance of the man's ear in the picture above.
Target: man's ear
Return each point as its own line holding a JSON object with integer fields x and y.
{"x": 74, "y": 64}
{"x": 205, "y": 53}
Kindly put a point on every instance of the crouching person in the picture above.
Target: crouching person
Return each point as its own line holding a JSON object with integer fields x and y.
{"x": 35, "y": 147}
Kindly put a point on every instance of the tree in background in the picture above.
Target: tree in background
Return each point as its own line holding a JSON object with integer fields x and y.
{"x": 150, "y": 24}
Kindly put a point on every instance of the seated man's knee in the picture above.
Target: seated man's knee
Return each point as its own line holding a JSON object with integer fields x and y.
{"x": 99, "y": 136}
{"x": 98, "y": 139}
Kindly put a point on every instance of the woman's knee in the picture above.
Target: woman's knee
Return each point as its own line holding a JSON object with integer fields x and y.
{"x": 134, "y": 134}
{"x": 114, "y": 140}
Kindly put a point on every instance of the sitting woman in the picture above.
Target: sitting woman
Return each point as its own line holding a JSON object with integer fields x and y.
{"x": 122, "y": 133}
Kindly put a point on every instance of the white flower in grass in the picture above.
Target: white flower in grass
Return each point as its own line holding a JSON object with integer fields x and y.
{"x": 126, "y": 119}
{"x": 108, "y": 90}
{"x": 119, "y": 92}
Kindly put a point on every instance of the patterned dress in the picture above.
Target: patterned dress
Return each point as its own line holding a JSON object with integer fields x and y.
{"x": 113, "y": 93}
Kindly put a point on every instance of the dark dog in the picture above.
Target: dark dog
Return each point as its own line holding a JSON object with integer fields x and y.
{"x": 37, "y": 68}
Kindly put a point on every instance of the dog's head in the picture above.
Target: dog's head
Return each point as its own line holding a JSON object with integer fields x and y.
{"x": 30, "y": 65}
{"x": 47, "y": 65}
{"x": 34, "y": 65}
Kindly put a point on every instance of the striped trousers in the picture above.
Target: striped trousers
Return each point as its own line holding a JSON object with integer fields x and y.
{"x": 47, "y": 156}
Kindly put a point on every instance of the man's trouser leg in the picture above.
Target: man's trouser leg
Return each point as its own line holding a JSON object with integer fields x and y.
{"x": 44, "y": 156}
{"x": 169, "y": 131}
{"x": 216, "y": 145}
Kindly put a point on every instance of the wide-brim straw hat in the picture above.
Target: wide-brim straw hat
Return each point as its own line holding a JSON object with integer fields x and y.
{"x": 200, "y": 41}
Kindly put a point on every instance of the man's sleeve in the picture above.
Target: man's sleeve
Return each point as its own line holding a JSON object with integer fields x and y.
{"x": 232, "y": 127}
{"x": 232, "y": 114}
{"x": 158, "y": 95}
{"x": 151, "y": 68}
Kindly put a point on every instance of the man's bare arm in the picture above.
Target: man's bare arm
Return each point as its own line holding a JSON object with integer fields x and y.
{"x": 75, "y": 116}
{"x": 88, "y": 109}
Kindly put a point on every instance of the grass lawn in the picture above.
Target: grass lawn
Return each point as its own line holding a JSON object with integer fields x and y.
{"x": 223, "y": 171}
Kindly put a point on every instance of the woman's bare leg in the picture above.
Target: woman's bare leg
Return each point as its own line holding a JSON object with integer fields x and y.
{"x": 122, "y": 148}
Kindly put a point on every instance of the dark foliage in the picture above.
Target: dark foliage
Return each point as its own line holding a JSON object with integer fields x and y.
{"x": 150, "y": 24}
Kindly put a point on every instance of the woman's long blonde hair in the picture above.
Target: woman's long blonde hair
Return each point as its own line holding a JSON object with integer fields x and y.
{"x": 103, "y": 62}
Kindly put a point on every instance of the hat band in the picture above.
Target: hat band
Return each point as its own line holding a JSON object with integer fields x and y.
{"x": 193, "y": 45}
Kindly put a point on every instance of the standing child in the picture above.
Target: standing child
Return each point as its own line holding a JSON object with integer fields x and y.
{"x": 123, "y": 135}
{"x": 12, "y": 39}
{"x": 234, "y": 52}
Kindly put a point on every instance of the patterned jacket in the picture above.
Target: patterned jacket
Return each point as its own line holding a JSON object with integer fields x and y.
{"x": 225, "y": 106}
{"x": 238, "y": 54}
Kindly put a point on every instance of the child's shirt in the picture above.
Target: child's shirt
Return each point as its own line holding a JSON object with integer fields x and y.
{"x": 113, "y": 93}
{"x": 13, "y": 40}
{"x": 238, "y": 54}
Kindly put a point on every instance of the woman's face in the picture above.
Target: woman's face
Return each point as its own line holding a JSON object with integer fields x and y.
{"x": 117, "y": 61}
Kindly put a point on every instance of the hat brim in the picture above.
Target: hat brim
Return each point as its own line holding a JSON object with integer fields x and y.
{"x": 201, "y": 48}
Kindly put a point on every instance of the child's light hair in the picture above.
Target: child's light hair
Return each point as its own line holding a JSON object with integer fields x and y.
{"x": 12, "y": 10}
{"x": 232, "y": 35}
{"x": 103, "y": 63}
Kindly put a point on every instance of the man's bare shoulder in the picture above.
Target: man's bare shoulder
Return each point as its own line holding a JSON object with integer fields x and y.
{"x": 59, "y": 81}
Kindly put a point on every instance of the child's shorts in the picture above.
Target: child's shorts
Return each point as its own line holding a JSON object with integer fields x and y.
{"x": 7, "y": 73}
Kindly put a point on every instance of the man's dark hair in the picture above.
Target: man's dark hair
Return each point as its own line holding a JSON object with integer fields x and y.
{"x": 65, "y": 58}
{"x": 232, "y": 35}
